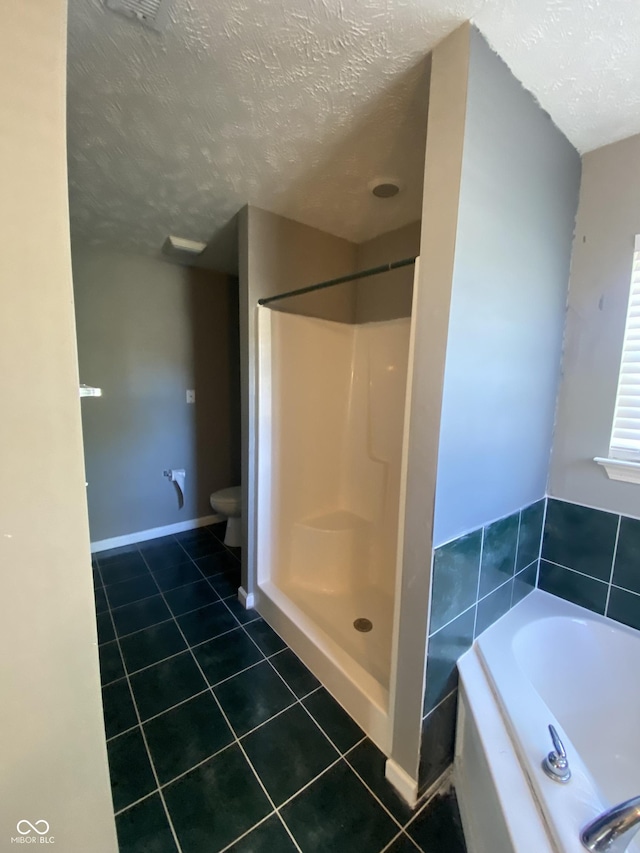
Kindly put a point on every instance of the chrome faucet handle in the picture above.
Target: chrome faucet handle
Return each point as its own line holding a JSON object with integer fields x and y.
{"x": 557, "y": 743}
{"x": 612, "y": 831}
{"x": 556, "y": 765}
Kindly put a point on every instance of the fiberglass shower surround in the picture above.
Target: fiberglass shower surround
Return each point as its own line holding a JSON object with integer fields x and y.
{"x": 338, "y": 399}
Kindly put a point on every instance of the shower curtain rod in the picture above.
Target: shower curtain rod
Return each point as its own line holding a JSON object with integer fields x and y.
{"x": 343, "y": 279}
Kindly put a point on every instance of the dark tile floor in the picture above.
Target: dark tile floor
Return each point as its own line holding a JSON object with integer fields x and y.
{"x": 218, "y": 737}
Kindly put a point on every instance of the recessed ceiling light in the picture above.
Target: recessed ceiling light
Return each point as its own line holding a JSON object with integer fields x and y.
{"x": 384, "y": 188}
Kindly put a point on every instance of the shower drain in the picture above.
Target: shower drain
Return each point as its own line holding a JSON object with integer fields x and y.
{"x": 363, "y": 625}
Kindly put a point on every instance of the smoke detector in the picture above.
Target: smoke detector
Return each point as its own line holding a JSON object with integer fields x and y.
{"x": 151, "y": 13}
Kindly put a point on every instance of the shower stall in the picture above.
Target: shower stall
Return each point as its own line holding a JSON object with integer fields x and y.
{"x": 331, "y": 410}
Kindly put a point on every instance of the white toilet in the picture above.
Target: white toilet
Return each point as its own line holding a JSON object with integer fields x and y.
{"x": 229, "y": 502}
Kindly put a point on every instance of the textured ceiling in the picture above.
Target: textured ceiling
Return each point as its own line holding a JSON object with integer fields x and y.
{"x": 296, "y": 107}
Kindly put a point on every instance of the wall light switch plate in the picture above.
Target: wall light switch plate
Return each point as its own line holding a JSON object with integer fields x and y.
{"x": 191, "y": 396}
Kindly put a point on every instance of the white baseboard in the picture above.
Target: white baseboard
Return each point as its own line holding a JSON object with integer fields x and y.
{"x": 154, "y": 533}
{"x": 404, "y": 784}
{"x": 247, "y": 599}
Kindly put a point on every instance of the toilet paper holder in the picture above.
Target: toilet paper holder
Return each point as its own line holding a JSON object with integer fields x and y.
{"x": 177, "y": 476}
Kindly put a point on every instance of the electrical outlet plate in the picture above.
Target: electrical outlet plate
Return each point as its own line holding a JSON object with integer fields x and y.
{"x": 191, "y": 396}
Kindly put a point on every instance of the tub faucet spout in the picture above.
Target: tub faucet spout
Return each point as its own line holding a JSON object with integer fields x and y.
{"x": 613, "y": 830}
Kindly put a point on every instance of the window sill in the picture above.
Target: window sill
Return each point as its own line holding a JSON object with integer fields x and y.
{"x": 620, "y": 469}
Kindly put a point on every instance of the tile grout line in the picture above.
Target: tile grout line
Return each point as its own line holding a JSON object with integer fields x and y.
{"x": 487, "y": 594}
{"x": 138, "y": 630}
{"x": 171, "y": 617}
{"x": 136, "y": 802}
{"x": 299, "y": 702}
{"x": 340, "y": 758}
{"x": 475, "y": 615}
{"x": 575, "y": 572}
{"x": 466, "y": 531}
{"x": 144, "y": 739}
{"x": 164, "y": 621}
{"x": 441, "y": 702}
{"x": 236, "y": 739}
{"x": 613, "y": 563}
{"x": 140, "y": 546}
{"x": 402, "y": 834}
{"x": 395, "y": 838}
{"x": 446, "y": 624}
{"x": 373, "y": 793}
{"x": 208, "y": 757}
{"x": 435, "y": 789}
{"x": 515, "y": 559}
{"x": 342, "y": 754}
{"x": 295, "y": 701}
{"x": 198, "y": 764}
{"x": 151, "y": 573}
{"x": 544, "y": 522}
{"x": 248, "y": 831}
{"x": 471, "y": 606}
{"x": 589, "y": 506}
{"x": 308, "y": 784}
{"x": 155, "y": 716}
{"x": 624, "y": 589}
{"x": 278, "y": 713}
{"x": 181, "y": 652}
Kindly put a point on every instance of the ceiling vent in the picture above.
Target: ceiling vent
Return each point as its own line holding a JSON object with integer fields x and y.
{"x": 151, "y": 13}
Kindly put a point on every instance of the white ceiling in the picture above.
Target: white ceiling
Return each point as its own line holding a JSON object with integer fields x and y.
{"x": 296, "y": 107}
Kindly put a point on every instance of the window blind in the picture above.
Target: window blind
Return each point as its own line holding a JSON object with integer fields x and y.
{"x": 625, "y": 435}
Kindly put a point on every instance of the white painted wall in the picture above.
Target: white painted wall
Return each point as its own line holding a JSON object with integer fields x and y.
{"x": 54, "y": 761}
{"x": 608, "y": 220}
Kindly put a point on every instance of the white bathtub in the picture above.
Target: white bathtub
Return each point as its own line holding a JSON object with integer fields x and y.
{"x": 546, "y": 661}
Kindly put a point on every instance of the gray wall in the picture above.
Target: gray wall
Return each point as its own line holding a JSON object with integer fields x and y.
{"x": 52, "y": 743}
{"x": 518, "y": 198}
{"x": 608, "y": 220}
{"x": 147, "y": 331}
{"x": 276, "y": 255}
{"x": 387, "y": 296}
{"x": 500, "y": 194}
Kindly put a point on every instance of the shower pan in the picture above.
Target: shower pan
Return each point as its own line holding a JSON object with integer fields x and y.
{"x": 331, "y": 412}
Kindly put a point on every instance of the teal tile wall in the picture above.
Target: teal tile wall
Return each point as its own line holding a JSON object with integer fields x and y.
{"x": 476, "y": 579}
{"x": 592, "y": 558}
{"x": 587, "y": 556}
